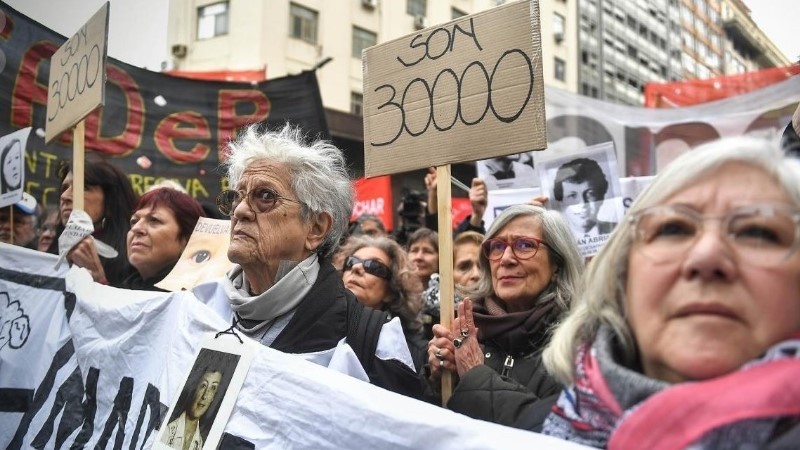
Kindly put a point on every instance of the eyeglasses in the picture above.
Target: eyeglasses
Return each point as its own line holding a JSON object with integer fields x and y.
{"x": 371, "y": 266}
{"x": 260, "y": 200}
{"x": 762, "y": 235}
{"x": 522, "y": 247}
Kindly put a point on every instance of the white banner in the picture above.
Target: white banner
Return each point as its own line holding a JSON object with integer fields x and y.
{"x": 128, "y": 356}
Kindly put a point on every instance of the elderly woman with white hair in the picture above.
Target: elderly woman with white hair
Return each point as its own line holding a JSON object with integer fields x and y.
{"x": 529, "y": 267}
{"x": 687, "y": 332}
{"x": 289, "y": 208}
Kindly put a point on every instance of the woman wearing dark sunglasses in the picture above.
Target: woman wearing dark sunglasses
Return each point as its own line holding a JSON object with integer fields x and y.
{"x": 529, "y": 266}
{"x": 376, "y": 270}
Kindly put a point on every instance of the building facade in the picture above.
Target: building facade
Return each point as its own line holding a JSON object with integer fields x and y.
{"x": 625, "y": 44}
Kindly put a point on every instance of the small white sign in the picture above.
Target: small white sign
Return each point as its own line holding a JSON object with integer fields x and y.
{"x": 12, "y": 166}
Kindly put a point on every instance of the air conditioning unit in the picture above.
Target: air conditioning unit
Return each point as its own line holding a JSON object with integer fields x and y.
{"x": 179, "y": 50}
{"x": 420, "y": 22}
{"x": 369, "y": 4}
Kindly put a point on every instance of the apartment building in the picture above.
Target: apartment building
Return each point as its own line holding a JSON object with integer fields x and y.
{"x": 625, "y": 44}
{"x": 284, "y": 37}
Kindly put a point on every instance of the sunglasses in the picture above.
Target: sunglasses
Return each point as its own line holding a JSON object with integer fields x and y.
{"x": 371, "y": 266}
{"x": 260, "y": 200}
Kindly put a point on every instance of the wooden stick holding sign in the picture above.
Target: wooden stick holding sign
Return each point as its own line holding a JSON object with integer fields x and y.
{"x": 465, "y": 90}
{"x": 446, "y": 313}
{"x": 77, "y": 87}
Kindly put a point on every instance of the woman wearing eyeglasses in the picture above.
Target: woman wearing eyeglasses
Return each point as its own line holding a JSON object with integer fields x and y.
{"x": 290, "y": 205}
{"x": 529, "y": 266}
{"x": 688, "y": 334}
{"x": 376, "y": 270}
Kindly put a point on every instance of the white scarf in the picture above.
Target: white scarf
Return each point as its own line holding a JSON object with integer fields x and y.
{"x": 293, "y": 282}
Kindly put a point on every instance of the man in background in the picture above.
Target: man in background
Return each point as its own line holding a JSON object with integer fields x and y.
{"x": 24, "y": 222}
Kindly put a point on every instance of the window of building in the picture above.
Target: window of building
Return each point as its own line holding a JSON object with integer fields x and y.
{"x": 303, "y": 23}
{"x": 417, "y": 7}
{"x": 357, "y": 103}
{"x": 212, "y": 20}
{"x": 455, "y": 13}
{"x": 558, "y": 26}
{"x": 362, "y": 39}
{"x": 560, "y": 69}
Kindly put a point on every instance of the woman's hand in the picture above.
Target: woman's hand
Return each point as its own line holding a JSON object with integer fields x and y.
{"x": 440, "y": 353}
{"x": 84, "y": 254}
{"x": 468, "y": 352}
{"x": 478, "y": 198}
{"x": 432, "y": 186}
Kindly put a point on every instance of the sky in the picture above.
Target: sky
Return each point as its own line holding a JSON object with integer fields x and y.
{"x": 138, "y": 28}
{"x": 778, "y": 20}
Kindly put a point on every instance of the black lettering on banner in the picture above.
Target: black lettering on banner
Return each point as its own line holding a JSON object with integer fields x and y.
{"x": 118, "y": 415}
{"x": 430, "y": 106}
{"x": 157, "y": 410}
{"x": 76, "y": 412}
{"x": 62, "y": 356}
{"x": 449, "y": 46}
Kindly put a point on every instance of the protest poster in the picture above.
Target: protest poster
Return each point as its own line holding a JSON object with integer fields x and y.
{"x": 12, "y": 166}
{"x": 452, "y": 92}
{"x": 631, "y": 187}
{"x": 508, "y": 172}
{"x": 77, "y": 80}
{"x": 498, "y": 200}
{"x": 584, "y": 186}
{"x": 204, "y": 258}
{"x": 134, "y": 349}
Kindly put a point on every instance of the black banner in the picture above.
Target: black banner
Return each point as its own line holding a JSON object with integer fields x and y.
{"x": 181, "y": 126}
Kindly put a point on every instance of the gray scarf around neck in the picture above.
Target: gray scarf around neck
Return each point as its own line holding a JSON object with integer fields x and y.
{"x": 293, "y": 282}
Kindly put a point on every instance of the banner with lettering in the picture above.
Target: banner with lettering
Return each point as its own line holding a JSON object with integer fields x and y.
{"x": 83, "y": 365}
{"x": 646, "y": 139}
{"x": 153, "y": 125}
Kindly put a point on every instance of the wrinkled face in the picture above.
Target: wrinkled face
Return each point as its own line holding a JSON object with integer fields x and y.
{"x": 153, "y": 241}
{"x": 93, "y": 198}
{"x": 12, "y": 165}
{"x": 423, "y": 258}
{"x": 260, "y": 239}
{"x": 369, "y": 289}
{"x": 48, "y": 231}
{"x": 24, "y": 231}
{"x": 708, "y": 313}
{"x": 465, "y": 264}
{"x": 518, "y": 282}
{"x": 581, "y": 205}
{"x": 204, "y": 394}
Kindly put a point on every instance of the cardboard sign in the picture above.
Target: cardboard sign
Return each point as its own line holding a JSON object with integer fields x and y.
{"x": 78, "y": 76}
{"x": 12, "y": 166}
{"x": 469, "y": 89}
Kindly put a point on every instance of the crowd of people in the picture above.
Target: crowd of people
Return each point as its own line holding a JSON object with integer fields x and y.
{"x": 684, "y": 328}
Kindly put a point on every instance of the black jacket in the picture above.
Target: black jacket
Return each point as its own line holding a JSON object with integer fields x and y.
{"x": 513, "y": 399}
{"x": 321, "y": 321}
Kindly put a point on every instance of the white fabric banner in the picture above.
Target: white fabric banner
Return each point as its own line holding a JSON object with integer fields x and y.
{"x": 129, "y": 353}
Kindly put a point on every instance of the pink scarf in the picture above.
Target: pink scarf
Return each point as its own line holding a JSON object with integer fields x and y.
{"x": 730, "y": 411}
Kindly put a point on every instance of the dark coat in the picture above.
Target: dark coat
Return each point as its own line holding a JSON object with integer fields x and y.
{"x": 321, "y": 321}
{"x": 514, "y": 400}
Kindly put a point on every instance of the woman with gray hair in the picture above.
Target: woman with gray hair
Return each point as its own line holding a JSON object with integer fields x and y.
{"x": 529, "y": 266}
{"x": 289, "y": 208}
{"x": 687, "y": 334}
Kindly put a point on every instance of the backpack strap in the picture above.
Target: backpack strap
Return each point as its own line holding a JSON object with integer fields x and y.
{"x": 363, "y": 330}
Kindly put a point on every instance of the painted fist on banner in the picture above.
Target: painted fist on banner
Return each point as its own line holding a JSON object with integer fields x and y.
{"x": 14, "y": 324}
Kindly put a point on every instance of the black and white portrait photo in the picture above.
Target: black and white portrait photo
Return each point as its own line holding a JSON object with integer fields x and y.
{"x": 198, "y": 404}
{"x": 585, "y": 188}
